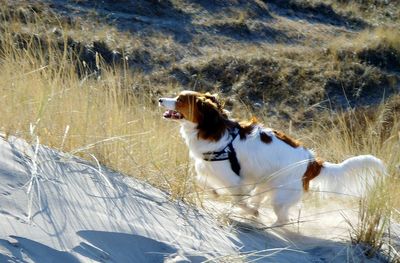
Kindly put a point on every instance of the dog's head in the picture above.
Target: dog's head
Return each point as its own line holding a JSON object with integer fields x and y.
{"x": 203, "y": 109}
{"x": 192, "y": 106}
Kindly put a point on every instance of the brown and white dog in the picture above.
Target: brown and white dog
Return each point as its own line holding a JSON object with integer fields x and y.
{"x": 248, "y": 160}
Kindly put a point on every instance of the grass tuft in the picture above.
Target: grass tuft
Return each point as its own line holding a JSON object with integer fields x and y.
{"x": 367, "y": 131}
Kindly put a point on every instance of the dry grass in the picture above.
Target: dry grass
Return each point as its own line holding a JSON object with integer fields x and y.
{"x": 383, "y": 42}
{"x": 368, "y": 132}
{"x": 298, "y": 76}
{"x": 375, "y": 11}
{"x": 91, "y": 116}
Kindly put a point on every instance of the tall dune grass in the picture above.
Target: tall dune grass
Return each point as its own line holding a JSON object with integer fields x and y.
{"x": 374, "y": 132}
{"x": 94, "y": 117}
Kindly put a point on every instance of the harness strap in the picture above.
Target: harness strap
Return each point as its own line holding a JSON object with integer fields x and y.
{"x": 228, "y": 153}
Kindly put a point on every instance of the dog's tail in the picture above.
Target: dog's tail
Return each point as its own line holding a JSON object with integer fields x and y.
{"x": 354, "y": 176}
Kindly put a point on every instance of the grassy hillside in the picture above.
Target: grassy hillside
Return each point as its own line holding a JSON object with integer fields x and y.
{"x": 286, "y": 58}
{"x": 84, "y": 77}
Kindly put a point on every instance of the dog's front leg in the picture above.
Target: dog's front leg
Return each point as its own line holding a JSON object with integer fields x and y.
{"x": 207, "y": 182}
{"x": 204, "y": 182}
{"x": 240, "y": 199}
{"x": 258, "y": 195}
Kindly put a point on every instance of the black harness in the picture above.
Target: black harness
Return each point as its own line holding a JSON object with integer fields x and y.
{"x": 227, "y": 153}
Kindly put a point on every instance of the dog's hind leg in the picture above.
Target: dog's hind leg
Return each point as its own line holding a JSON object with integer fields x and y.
{"x": 282, "y": 201}
{"x": 282, "y": 214}
{"x": 258, "y": 195}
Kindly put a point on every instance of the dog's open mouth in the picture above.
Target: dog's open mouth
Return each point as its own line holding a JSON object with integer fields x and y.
{"x": 172, "y": 114}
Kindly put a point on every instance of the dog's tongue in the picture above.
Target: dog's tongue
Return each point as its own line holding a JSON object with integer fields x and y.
{"x": 168, "y": 114}
{"x": 171, "y": 114}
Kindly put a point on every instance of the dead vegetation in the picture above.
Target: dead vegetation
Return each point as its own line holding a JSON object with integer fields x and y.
{"x": 368, "y": 130}
{"x": 246, "y": 50}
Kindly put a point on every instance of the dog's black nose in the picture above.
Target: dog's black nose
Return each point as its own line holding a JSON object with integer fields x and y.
{"x": 160, "y": 100}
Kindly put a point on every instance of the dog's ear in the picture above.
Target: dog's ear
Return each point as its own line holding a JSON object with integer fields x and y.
{"x": 207, "y": 107}
{"x": 215, "y": 99}
{"x": 210, "y": 118}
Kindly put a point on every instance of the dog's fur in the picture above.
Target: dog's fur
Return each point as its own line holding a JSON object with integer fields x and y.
{"x": 271, "y": 162}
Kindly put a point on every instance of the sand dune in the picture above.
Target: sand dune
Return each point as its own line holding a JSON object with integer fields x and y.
{"x": 57, "y": 208}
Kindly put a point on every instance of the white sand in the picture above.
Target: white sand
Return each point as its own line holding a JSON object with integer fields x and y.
{"x": 57, "y": 208}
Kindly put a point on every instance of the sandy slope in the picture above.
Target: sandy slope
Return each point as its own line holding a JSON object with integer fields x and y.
{"x": 56, "y": 208}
